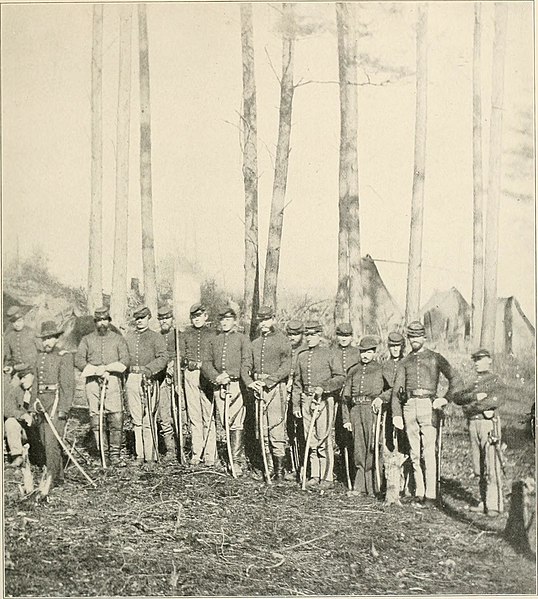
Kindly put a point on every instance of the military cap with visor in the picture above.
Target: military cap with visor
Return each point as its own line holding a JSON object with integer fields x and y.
{"x": 227, "y": 311}
{"x": 49, "y": 329}
{"x": 295, "y": 327}
{"x": 344, "y": 329}
{"x": 101, "y": 313}
{"x": 164, "y": 312}
{"x": 368, "y": 342}
{"x": 141, "y": 312}
{"x": 395, "y": 338}
{"x": 265, "y": 312}
{"x": 480, "y": 353}
{"x": 313, "y": 326}
{"x": 14, "y": 313}
{"x": 416, "y": 329}
{"x": 197, "y": 309}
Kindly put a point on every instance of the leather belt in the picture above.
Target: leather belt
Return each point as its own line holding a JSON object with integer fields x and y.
{"x": 421, "y": 393}
{"x": 43, "y": 388}
{"x": 358, "y": 399}
{"x": 477, "y": 417}
{"x": 135, "y": 369}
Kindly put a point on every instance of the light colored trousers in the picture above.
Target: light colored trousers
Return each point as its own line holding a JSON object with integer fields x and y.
{"x": 140, "y": 416}
{"x": 203, "y": 425}
{"x": 274, "y": 421}
{"x": 113, "y": 402}
{"x": 13, "y": 433}
{"x": 421, "y": 428}
{"x": 321, "y": 443}
{"x": 236, "y": 406}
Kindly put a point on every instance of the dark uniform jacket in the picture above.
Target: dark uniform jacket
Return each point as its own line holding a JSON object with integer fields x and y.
{"x": 193, "y": 344}
{"x": 12, "y": 399}
{"x": 170, "y": 340}
{"x": 101, "y": 350}
{"x": 364, "y": 382}
{"x": 316, "y": 367}
{"x": 148, "y": 349}
{"x": 271, "y": 355}
{"x": 228, "y": 352}
{"x": 485, "y": 382}
{"x": 21, "y": 347}
{"x": 348, "y": 356}
{"x": 419, "y": 371}
{"x": 54, "y": 373}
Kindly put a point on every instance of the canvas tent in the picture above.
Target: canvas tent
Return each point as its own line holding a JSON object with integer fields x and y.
{"x": 447, "y": 318}
{"x": 514, "y": 333}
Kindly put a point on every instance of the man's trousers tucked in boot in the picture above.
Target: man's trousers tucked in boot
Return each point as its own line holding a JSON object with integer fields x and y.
{"x": 237, "y": 442}
{"x": 278, "y": 462}
{"x": 115, "y": 430}
{"x": 96, "y": 434}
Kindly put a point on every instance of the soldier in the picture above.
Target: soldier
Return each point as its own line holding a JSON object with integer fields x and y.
{"x": 16, "y": 415}
{"x": 103, "y": 357}
{"x": 363, "y": 388}
{"x": 165, "y": 414}
{"x": 193, "y": 345}
{"x": 418, "y": 376}
{"x": 317, "y": 378}
{"x": 271, "y": 354}
{"x": 53, "y": 388}
{"x": 20, "y": 344}
{"x": 228, "y": 359}
{"x": 480, "y": 402}
{"x": 149, "y": 357}
{"x": 294, "y": 426}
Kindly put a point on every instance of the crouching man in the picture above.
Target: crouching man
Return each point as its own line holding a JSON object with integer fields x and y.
{"x": 15, "y": 410}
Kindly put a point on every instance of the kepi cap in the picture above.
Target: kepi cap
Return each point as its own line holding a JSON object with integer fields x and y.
{"x": 196, "y": 308}
{"x": 101, "y": 313}
{"x": 416, "y": 329}
{"x": 368, "y": 342}
{"x": 395, "y": 338}
{"x": 227, "y": 311}
{"x": 344, "y": 329}
{"x": 265, "y": 312}
{"x": 14, "y": 313}
{"x": 49, "y": 329}
{"x": 141, "y": 312}
{"x": 313, "y": 326}
{"x": 295, "y": 327}
{"x": 163, "y": 312}
{"x": 480, "y": 353}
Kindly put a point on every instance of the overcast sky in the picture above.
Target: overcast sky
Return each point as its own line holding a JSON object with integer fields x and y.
{"x": 195, "y": 62}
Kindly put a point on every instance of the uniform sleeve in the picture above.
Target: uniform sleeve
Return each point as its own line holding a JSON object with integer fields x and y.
{"x": 284, "y": 367}
{"x": 182, "y": 344}
{"x": 81, "y": 357}
{"x": 348, "y": 383}
{"x": 123, "y": 352}
{"x": 399, "y": 383}
{"x": 66, "y": 380}
{"x": 246, "y": 361}
{"x": 208, "y": 368}
{"x": 8, "y": 352}
{"x": 386, "y": 394}
{"x": 345, "y": 411}
{"x": 12, "y": 400}
{"x": 450, "y": 375}
{"x": 336, "y": 380}
{"x": 297, "y": 388}
{"x": 161, "y": 355}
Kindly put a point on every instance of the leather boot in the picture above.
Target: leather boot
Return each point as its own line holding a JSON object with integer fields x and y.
{"x": 238, "y": 449}
{"x": 115, "y": 426}
{"x": 170, "y": 444}
{"x": 278, "y": 462}
{"x": 95, "y": 430}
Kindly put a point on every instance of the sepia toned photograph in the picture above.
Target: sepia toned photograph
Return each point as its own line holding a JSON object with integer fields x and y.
{"x": 268, "y": 299}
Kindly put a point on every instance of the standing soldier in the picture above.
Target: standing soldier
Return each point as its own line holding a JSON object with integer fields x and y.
{"x": 317, "y": 378}
{"x": 228, "y": 360}
{"x": 294, "y": 426}
{"x": 20, "y": 344}
{"x": 193, "y": 345}
{"x": 149, "y": 357}
{"x": 363, "y": 388}
{"x": 167, "y": 379}
{"x": 272, "y": 364}
{"x": 103, "y": 357}
{"x": 480, "y": 402}
{"x": 418, "y": 376}
{"x": 15, "y": 412}
{"x": 52, "y": 390}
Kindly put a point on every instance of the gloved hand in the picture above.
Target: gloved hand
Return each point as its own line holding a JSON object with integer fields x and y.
{"x": 257, "y": 387}
{"x": 170, "y": 368}
{"x": 27, "y": 418}
{"x": 398, "y": 422}
{"x": 297, "y": 413}
{"x": 489, "y": 414}
{"x": 146, "y": 371}
{"x": 377, "y": 404}
{"x": 480, "y": 396}
{"x": 318, "y": 391}
{"x": 439, "y": 402}
{"x": 192, "y": 365}
{"x": 184, "y": 363}
{"x": 223, "y": 378}
{"x": 347, "y": 426}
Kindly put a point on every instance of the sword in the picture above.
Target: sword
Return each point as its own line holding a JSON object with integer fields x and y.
{"x": 148, "y": 386}
{"x": 103, "y": 384}
{"x": 181, "y": 383}
{"x": 315, "y": 415}
{"x": 225, "y": 390}
{"x": 262, "y": 437}
{"x": 376, "y": 450}
{"x": 439, "y": 450}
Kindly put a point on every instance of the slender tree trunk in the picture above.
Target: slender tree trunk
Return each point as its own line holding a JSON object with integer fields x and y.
{"x": 350, "y": 291}
{"x": 487, "y": 338}
{"x": 95, "y": 261}
{"x": 274, "y": 239}
{"x": 148, "y": 244}
{"x": 478, "y": 186}
{"x": 250, "y": 165}
{"x": 118, "y": 306}
{"x": 414, "y": 273}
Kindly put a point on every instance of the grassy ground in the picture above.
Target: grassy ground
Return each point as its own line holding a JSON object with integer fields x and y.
{"x": 177, "y": 531}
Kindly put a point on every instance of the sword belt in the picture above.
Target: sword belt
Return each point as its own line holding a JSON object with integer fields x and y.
{"x": 45, "y": 388}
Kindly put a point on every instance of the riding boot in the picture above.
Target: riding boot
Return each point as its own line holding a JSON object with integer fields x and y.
{"x": 94, "y": 424}
{"x": 170, "y": 444}
{"x": 238, "y": 450}
{"x": 278, "y": 462}
{"x": 115, "y": 426}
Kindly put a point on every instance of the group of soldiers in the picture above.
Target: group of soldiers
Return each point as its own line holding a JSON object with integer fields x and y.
{"x": 296, "y": 397}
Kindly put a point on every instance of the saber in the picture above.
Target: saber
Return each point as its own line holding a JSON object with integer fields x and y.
{"x": 149, "y": 391}
{"x": 294, "y": 453}
{"x": 208, "y": 434}
{"x": 173, "y": 395}
{"x": 180, "y": 395}
{"x": 224, "y": 389}
{"x": 103, "y": 382}
{"x": 376, "y": 450}
{"x": 346, "y": 462}
{"x": 439, "y": 451}
{"x": 315, "y": 415}
{"x": 262, "y": 438}
{"x": 63, "y": 445}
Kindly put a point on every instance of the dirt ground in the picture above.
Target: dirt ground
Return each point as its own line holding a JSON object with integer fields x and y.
{"x": 179, "y": 531}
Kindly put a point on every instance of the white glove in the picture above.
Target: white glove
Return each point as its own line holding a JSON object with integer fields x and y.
{"x": 480, "y": 396}
{"x": 489, "y": 414}
{"x": 347, "y": 426}
{"x": 398, "y": 422}
{"x": 318, "y": 391}
{"x": 439, "y": 402}
{"x": 297, "y": 413}
{"x": 223, "y": 378}
{"x": 376, "y": 405}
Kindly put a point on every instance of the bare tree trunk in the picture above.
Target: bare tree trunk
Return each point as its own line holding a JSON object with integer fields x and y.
{"x": 478, "y": 186}
{"x": 148, "y": 247}
{"x": 95, "y": 261}
{"x": 250, "y": 165}
{"x": 487, "y": 337}
{"x": 118, "y": 305}
{"x": 414, "y": 273}
{"x": 274, "y": 239}
{"x": 349, "y": 292}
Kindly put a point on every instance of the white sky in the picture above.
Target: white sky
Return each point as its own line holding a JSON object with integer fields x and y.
{"x": 195, "y": 62}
